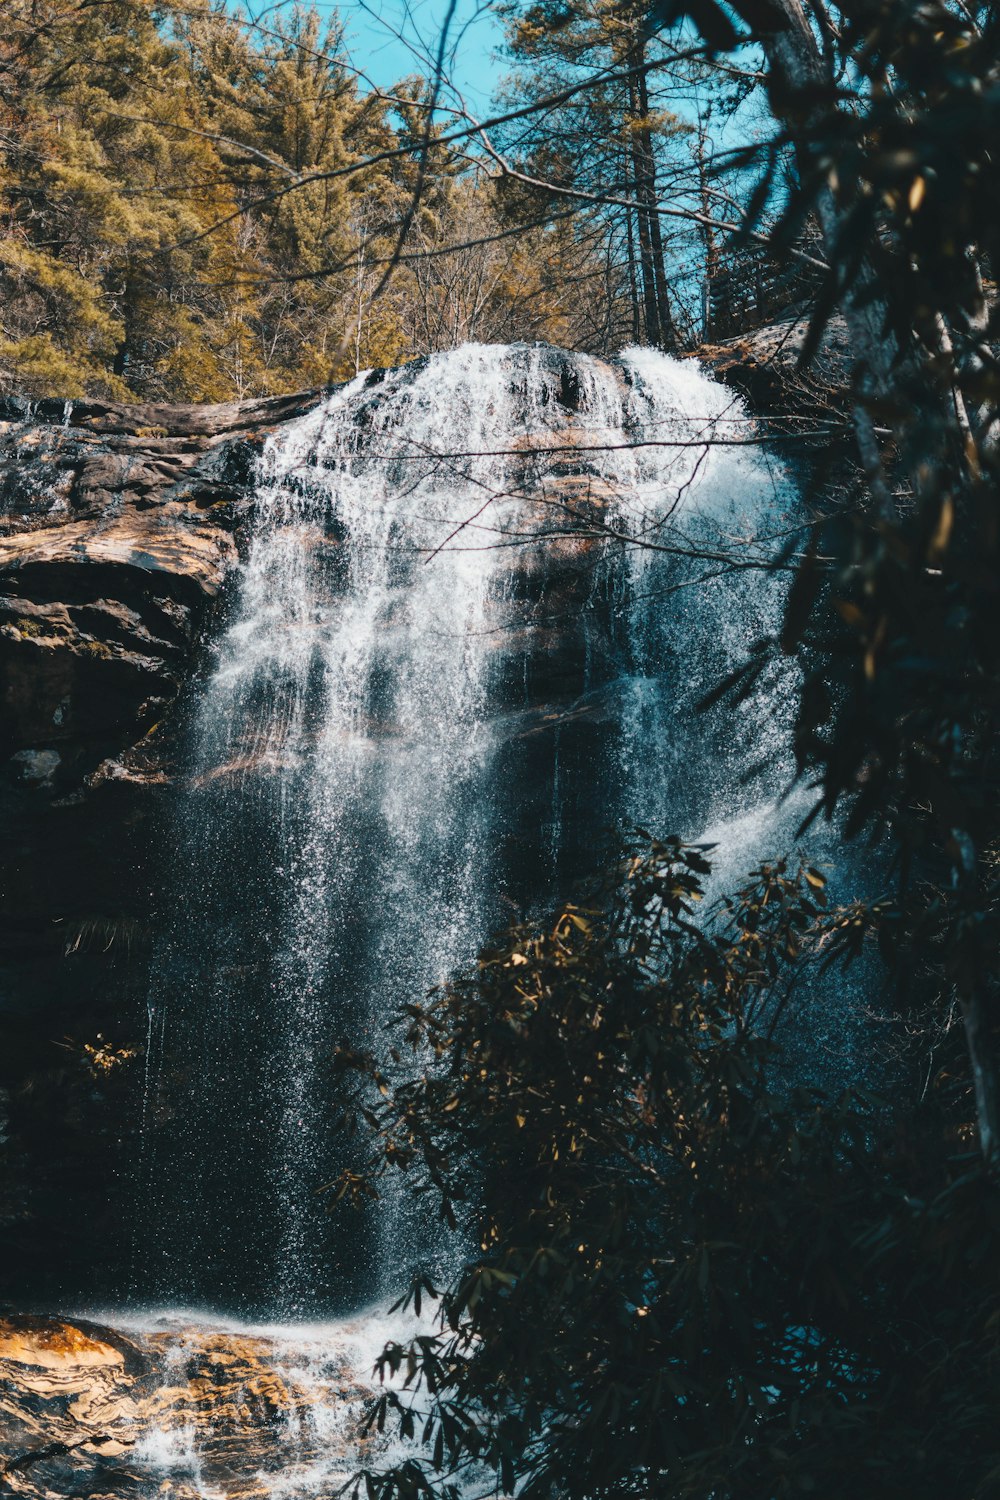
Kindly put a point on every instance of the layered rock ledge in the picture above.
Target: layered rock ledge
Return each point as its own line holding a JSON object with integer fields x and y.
{"x": 117, "y": 529}
{"x": 179, "y": 1411}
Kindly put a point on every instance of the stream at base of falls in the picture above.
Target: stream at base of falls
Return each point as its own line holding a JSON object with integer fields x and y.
{"x": 257, "y": 1411}
{"x": 447, "y": 683}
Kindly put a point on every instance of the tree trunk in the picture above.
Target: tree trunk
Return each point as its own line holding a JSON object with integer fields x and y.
{"x": 643, "y": 217}
{"x": 709, "y": 241}
{"x": 630, "y": 242}
{"x": 668, "y": 333}
{"x": 985, "y": 1080}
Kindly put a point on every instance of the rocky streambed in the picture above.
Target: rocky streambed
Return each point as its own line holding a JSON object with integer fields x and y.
{"x": 180, "y": 1409}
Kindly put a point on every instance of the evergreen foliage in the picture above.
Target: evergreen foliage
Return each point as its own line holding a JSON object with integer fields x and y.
{"x": 694, "y": 1277}
{"x": 605, "y": 143}
{"x": 194, "y": 207}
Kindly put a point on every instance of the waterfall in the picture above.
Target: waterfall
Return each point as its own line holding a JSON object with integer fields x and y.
{"x": 447, "y": 677}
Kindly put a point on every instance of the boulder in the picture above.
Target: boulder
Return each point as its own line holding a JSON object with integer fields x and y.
{"x": 764, "y": 365}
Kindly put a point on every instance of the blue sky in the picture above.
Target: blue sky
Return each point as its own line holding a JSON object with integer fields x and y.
{"x": 389, "y": 39}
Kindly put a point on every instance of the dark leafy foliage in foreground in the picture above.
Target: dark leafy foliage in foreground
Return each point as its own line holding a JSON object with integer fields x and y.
{"x": 895, "y": 607}
{"x": 690, "y": 1280}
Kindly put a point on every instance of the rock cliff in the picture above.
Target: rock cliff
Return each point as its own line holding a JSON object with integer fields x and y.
{"x": 117, "y": 529}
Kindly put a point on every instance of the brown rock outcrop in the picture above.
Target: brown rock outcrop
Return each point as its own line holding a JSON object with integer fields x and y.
{"x": 764, "y": 366}
{"x": 89, "y": 1410}
{"x": 117, "y": 530}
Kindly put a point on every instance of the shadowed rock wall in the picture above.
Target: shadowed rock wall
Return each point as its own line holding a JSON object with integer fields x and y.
{"x": 118, "y": 528}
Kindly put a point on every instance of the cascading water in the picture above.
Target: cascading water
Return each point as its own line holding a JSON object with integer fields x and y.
{"x": 446, "y": 677}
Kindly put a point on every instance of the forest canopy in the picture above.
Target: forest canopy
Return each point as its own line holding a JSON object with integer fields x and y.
{"x": 198, "y": 207}
{"x": 151, "y": 244}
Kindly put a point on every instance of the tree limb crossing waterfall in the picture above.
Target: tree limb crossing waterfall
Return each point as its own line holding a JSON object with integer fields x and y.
{"x": 482, "y": 598}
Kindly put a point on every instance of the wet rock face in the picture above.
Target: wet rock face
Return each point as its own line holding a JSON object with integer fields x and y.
{"x": 97, "y": 626}
{"x": 117, "y": 531}
{"x": 69, "y": 1397}
{"x": 92, "y": 1411}
{"x": 119, "y": 526}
